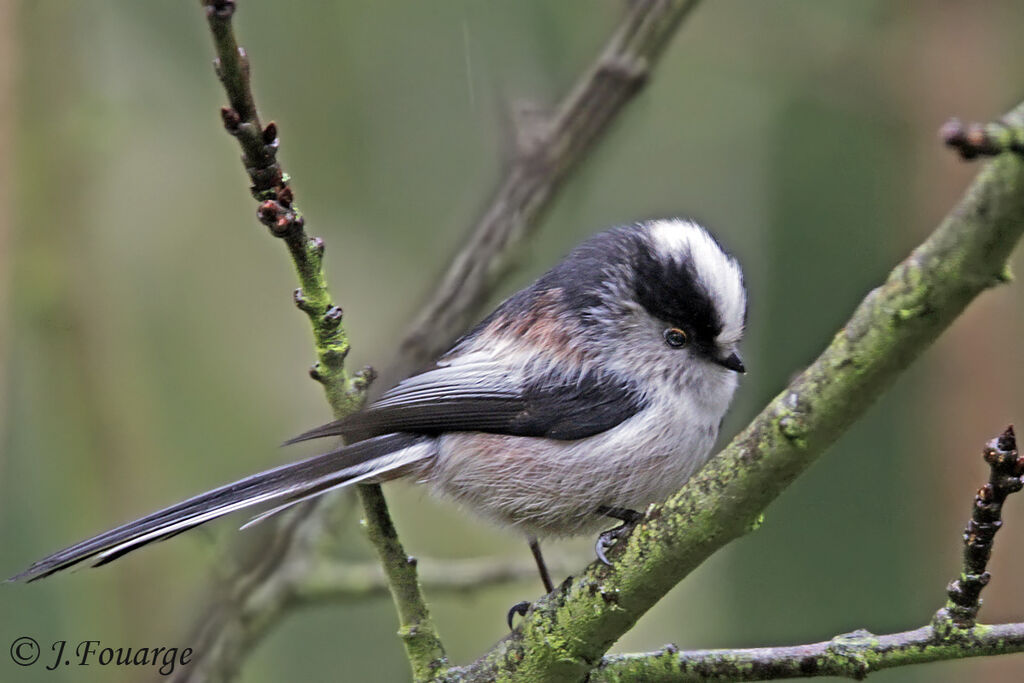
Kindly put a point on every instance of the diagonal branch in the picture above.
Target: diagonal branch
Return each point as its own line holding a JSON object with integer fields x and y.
{"x": 953, "y": 633}
{"x": 344, "y": 392}
{"x": 422, "y": 643}
{"x": 547, "y": 153}
{"x": 567, "y": 633}
{"x": 277, "y": 211}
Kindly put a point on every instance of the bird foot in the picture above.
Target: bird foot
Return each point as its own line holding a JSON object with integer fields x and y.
{"x": 630, "y": 518}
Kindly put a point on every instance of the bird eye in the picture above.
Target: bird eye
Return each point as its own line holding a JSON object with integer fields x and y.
{"x": 675, "y": 337}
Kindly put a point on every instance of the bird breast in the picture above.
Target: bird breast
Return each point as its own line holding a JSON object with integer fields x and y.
{"x": 547, "y": 487}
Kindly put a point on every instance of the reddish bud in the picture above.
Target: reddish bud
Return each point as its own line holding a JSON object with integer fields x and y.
{"x": 268, "y": 211}
{"x": 285, "y": 196}
{"x": 952, "y": 132}
{"x": 270, "y": 133}
{"x": 230, "y": 118}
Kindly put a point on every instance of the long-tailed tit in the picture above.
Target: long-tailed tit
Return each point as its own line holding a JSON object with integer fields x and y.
{"x": 595, "y": 391}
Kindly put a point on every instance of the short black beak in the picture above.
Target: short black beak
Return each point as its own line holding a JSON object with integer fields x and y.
{"x": 733, "y": 362}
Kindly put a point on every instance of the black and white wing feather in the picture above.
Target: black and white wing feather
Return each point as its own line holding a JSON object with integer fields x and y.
{"x": 487, "y": 395}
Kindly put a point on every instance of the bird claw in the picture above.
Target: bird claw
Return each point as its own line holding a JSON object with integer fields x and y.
{"x": 520, "y": 608}
{"x": 606, "y": 539}
{"x": 603, "y": 543}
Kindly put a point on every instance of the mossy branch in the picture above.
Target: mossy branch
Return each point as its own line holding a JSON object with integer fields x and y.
{"x": 277, "y": 210}
{"x": 567, "y": 633}
{"x": 851, "y": 655}
{"x": 423, "y": 645}
{"x": 345, "y": 392}
{"x": 953, "y": 633}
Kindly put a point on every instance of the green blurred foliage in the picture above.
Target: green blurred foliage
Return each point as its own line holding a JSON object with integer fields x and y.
{"x": 153, "y": 350}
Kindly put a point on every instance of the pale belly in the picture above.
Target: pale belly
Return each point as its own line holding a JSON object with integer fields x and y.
{"x": 546, "y": 487}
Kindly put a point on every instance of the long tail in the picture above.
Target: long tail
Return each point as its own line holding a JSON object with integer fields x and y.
{"x": 380, "y": 458}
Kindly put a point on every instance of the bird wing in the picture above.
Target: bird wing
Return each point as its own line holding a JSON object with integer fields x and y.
{"x": 488, "y": 395}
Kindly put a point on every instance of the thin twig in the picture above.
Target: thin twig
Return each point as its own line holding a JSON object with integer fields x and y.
{"x": 851, "y": 655}
{"x": 230, "y": 619}
{"x": 277, "y": 210}
{"x": 568, "y": 632}
{"x": 242, "y": 606}
{"x": 982, "y": 139}
{"x": 423, "y": 645}
{"x": 339, "y": 581}
{"x": 1006, "y": 468}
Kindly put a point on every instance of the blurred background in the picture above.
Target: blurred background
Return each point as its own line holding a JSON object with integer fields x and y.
{"x": 149, "y": 348}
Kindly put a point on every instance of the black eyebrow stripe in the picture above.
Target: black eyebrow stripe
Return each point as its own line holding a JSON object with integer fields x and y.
{"x": 671, "y": 291}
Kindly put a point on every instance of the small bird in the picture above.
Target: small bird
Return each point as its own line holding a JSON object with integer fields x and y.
{"x": 590, "y": 394}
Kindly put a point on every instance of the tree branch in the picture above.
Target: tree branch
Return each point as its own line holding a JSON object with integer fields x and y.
{"x": 546, "y": 154}
{"x": 1005, "y": 478}
{"x": 337, "y": 581}
{"x": 952, "y": 634}
{"x": 982, "y": 140}
{"x": 422, "y": 644}
{"x": 567, "y": 633}
{"x": 277, "y": 211}
{"x": 258, "y": 594}
{"x": 851, "y": 655}
{"x": 232, "y": 626}
{"x": 244, "y": 605}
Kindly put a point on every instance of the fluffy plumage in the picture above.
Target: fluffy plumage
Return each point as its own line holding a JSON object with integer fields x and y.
{"x": 571, "y": 396}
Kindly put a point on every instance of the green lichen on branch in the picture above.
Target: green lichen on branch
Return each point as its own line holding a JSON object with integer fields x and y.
{"x": 270, "y": 186}
{"x": 419, "y": 636}
{"x": 345, "y": 391}
{"x": 567, "y": 633}
{"x": 952, "y": 634}
{"x": 851, "y": 655}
